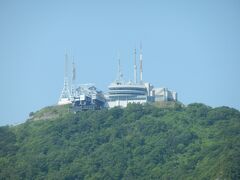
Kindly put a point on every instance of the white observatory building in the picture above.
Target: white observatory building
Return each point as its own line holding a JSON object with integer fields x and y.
{"x": 121, "y": 92}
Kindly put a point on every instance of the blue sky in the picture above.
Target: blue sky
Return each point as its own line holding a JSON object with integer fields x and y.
{"x": 192, "y": 47}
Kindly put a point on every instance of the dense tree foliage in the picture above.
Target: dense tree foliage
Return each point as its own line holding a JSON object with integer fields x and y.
{"x": 138, "y": 142}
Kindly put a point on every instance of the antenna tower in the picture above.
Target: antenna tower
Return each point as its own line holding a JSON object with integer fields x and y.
{"x": 141, "y": 61}
{"x": 135, "y": 66}
{"x": 73, "y": 77}
{"x": 65, "y": 94}
{"x": 119, "y": 74}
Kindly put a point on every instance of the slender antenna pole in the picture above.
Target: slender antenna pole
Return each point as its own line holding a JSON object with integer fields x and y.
{"x": 73, "y": 70}
{"x": 66, "y": 66}
{"x": 119, "y": 74}
{"x": 73, "y": 78}
{"x": 135, "y": 67}
{"x": 141, "y": 61}
{"x": 119, "y": 67}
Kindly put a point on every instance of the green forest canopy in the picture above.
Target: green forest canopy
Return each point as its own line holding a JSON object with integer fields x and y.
{"x": 137, "y": 142}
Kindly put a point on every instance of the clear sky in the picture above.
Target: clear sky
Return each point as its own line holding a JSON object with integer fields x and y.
{"x": 192, "y": 47}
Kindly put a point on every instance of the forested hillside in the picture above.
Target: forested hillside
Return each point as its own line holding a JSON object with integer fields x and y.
{"x": 138, "y": 142}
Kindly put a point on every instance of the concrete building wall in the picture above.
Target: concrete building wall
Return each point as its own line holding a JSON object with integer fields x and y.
{"x": 163, "y": 94}
{"x": 124, "y": 103}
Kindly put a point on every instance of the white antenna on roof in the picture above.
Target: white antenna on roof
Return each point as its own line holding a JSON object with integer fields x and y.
{"x": 73, "y": 77}
{"x": 141, "y": 61}
{"x": 120, "y": 74}
{"x": 135, "y": 67}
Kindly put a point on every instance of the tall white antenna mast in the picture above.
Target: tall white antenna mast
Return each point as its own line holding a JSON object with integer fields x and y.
{"x": 73, "y": 70}
{"x": 73, "y": 77}
{"x": 141, "y": 61}
{"x": 120, "y": 74}
{"x": 66, "y": 66}
{"x": 135, "y": 66}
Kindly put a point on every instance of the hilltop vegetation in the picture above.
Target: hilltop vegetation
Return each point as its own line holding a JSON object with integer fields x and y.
{"x": 49, "y": 113}
{"x": 138, "y": 142}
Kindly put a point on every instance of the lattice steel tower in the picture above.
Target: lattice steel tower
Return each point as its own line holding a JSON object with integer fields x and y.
{"x": 65, "y": 97}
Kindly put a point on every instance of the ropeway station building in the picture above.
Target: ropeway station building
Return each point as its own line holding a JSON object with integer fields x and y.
{"x": 120, "y": 92}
